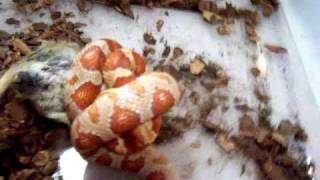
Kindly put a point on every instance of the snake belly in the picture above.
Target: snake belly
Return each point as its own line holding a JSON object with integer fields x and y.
{"x": 116, "y": 109}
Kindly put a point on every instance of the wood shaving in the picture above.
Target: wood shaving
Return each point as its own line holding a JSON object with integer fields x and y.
{"x": 13, "y": 21}
{"x": 279, "y": 139}
{"x": 255, "y": 71}
{"x": 225, "y": 143}
{"x": 276, "y": 49}
{"x": 166, "y": 51}
{"x": 159, "y": 24}
{"x": 197, "y": 66}
{"x": 246, "y": 126}
{"x": 177, "y": 52}
{"x": 212, "y": 17}
{"x": 196, "y": 144}
{"x": 23, "y": 47}
{"x": 213, "y": 127}
{"x": 223, "y": 29}
{"x": 148, "y": 50}
{"x": 149, "y": 39}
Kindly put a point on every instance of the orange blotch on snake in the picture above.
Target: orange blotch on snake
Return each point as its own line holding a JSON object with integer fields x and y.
{"x": 123, "y": 80}
{"x": 113, "y": 45}
{"x": 92, "y": 58}
{"x": 156, "y": 176}
{"x": 85, "y": 95}
{"x": 93, "y": 113}
{"x": 73, "y": 80}
{"x": 104, "y": 159}
{"x": 111, "y": 145}
{"x": 132, "y": 143}
{"x": 115, "y": 60}
{"x": 88, "y": 153}
{"x": 140, "y": 63}
{"x": 124, "y": 120}
{"x": 162, "y": 101}
{"x": 132, "y": 165}
{"x": 87, "y": 141}
{"x": 157, "y": 122}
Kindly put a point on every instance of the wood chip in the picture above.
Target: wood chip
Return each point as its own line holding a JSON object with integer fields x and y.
{"x": 251, "y": 32}
{"x": 19, "y": 44}
{"x": 148, "y": 50}
{"x": 211, "y": 17}
{"x": 255, "y": 71}
{"x": 166, "y": 51}
{"x": 177, "y": 52}
{"x": 195, "y": 97}
{"x": 3, "y": 54}
{"x": 56, "y": 15}
{"x": 149, "y": 39}
{"x": 279, "y": 139}
{"x": 261, "y": 97}
{"x": 17, "y": 110}
{"x": 267, "y": 9}
{"x": 12, "y": 21}
{"x": 84, "y": 5}
{"x": 276, "y": 49}
{"x": 223, "y": 29}
{"x": 210, "y": 161}
{"x": 159, "y": 25}
{"x": 213, "y": 127}
{"x": 287, "y": 128}
{"x": 301, "y": 135}
{"x": 244, "y": 108}
{"x": 246, "y": 126}
{"x": 41, "y": 158}
{"x": 243, "y": 169}
{"x": 196, "y": 144}
{"x": 4, "y": 35}
{"x": 210, "y": 84}
{"x": 225, "y": 143}
{"x": 40, "y": 26}
{"x": 197, "y": 66}
{"x": 261, "y": 134}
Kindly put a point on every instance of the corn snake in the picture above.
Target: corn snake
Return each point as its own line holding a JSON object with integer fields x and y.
{"x": 116, "y": 109}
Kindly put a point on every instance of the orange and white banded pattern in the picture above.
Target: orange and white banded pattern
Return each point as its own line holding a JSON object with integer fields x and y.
{"x": 117, "y": 109}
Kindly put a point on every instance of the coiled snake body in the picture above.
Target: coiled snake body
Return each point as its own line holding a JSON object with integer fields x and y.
{"x": 117, "y": 108}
